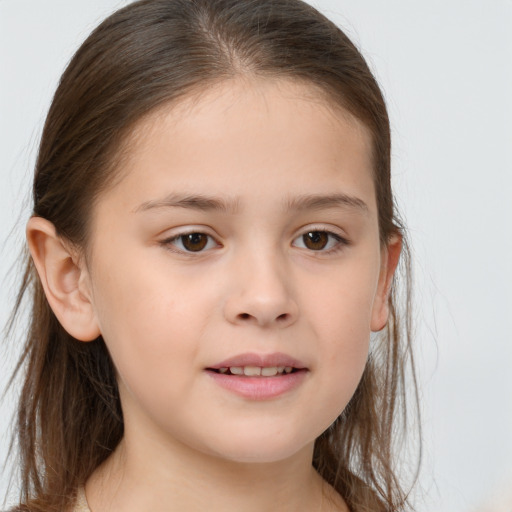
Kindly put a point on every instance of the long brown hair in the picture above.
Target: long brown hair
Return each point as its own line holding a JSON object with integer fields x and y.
{"x": 148, "y": 54}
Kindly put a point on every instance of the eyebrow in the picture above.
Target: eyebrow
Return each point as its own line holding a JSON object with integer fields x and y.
{"x": 320, "y": 202}
{"x": 193, "y": 202}
{"x": 210, "y": 203}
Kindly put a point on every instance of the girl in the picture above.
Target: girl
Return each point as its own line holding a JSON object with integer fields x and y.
{"x": 213, "y": 241}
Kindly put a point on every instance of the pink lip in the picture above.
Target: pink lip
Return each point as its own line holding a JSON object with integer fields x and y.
{"x": 259, "y": 388}
{"x": 262, "y": 360}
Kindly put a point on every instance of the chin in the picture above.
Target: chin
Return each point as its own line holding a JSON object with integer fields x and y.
{"x": 265, "y": 449}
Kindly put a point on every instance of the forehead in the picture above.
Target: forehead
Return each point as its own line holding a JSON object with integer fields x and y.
{"x": 243, "y": 133}
{"x": 266, "y": 102}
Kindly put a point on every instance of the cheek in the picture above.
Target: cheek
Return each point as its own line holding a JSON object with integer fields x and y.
{"x": 340, "y": 317}
{"x": 342, "y": 305}
{"x": 147, "y": 321}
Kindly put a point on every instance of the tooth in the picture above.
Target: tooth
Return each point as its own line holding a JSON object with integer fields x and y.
{"x": 269, "y": 372}
{"x": 288, "y": 369}
{"x": 223, "y": 370}
{"x": 251, "y": 371}
{"x": 280, "y": 369}
{"x": 236, "y": 370}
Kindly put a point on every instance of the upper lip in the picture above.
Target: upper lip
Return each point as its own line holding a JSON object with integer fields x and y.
{"x": 261, "y": 360}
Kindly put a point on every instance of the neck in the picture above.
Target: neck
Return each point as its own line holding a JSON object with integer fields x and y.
{"x": 140, "y": 477}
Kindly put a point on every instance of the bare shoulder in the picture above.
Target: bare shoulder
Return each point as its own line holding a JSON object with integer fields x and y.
{"x": 81, "y": 504}
{"x": 332, "y": 501}
{"x": 367, "y": 501}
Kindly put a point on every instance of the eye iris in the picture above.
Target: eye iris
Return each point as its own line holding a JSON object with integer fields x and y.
{"x": 315, "y": 240}
{"x": 194, "y": 241}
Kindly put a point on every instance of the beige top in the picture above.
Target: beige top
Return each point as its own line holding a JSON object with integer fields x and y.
{"x": 81, "y": 502}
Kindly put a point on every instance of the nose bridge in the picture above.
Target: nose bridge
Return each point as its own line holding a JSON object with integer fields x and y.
{"x": 262, "y": 291}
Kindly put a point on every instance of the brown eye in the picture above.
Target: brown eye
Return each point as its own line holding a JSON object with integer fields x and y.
{"x": 323, "y": 242}
{"x": 194, "y": 242}
{"x": 316, "y": 240}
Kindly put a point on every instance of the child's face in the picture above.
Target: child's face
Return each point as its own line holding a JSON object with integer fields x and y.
{"x": 251, "y": 168}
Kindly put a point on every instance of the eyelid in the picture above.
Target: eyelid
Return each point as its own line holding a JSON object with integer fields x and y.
{"x": 336, "y": 233}
{"x": 167, "y": 242}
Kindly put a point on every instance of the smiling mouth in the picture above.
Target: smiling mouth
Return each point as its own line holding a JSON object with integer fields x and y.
{"x": 256, "y": 371}
{"x": 259, "y": 377}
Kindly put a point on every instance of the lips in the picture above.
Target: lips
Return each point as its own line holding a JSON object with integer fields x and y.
{"x": 259, "y": 377}
{"x": 256, "y": 371}
{"x": 275, "y": 360}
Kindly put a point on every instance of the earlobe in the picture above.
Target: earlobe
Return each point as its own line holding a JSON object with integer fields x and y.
{"x": 390, "y": 256}
{"x": 63, "y": 280}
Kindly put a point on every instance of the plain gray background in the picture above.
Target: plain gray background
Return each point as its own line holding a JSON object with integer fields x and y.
{"x": 446, "y": 70}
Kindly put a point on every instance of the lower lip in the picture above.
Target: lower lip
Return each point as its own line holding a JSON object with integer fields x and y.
{"x": 259, "y": 388}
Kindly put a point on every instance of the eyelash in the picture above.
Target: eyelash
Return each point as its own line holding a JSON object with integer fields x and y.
{"x": 338, "y": 243}
{"x": 170, "y": 243}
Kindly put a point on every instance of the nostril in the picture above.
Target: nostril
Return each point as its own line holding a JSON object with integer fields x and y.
{"x": 279, "y": 315}
{"x": 281, "y": 318}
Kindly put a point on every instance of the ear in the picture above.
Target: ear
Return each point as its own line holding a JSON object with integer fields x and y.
{"x": 64, "y": 281}
{"x": 390, "y": 254}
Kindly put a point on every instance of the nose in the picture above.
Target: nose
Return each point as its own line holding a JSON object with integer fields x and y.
{"x": 261, "y": 294}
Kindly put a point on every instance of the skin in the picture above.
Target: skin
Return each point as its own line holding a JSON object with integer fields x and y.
{"x": 167, "y": 314}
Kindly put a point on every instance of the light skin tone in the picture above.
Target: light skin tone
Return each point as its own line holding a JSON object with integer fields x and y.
{"x": 277, "y": 187}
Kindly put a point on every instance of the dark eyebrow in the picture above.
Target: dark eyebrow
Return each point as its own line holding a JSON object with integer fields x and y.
{"x": 318, "y": 202}
{"x": 191, "y": 201}
{"x": 207, "y": 203}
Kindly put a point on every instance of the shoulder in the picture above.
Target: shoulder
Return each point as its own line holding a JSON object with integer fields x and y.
{"x": 81, "y": 502}
{"x": 78, "y": 504}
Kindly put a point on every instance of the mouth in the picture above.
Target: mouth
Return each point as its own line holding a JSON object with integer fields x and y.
{"x": 258, "y": 365}
{"x": 259, "y": 377}
{"x": 256, "y": 371}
